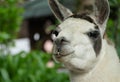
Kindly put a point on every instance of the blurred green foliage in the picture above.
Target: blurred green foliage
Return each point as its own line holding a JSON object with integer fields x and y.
{"x": 113, "y": 27}
{"x": 22, "y": 67}
{"x": 9, "y": 22}
{"x": 29, "y": 67}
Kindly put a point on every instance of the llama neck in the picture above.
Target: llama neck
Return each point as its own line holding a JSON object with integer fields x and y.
{"x": 106, "y": 69}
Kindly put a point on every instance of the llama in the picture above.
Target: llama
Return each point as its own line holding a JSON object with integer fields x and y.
{"x": 80, "y": 43}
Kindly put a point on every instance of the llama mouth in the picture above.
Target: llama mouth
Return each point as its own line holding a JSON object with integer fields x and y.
{"x": 60, "y": 55}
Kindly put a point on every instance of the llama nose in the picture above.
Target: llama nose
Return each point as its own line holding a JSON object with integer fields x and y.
{"x": 60, "y": 40}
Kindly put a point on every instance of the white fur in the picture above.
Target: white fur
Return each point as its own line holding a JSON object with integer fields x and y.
{"x": 83, "y": 64}
{"x": 107, "y": 68}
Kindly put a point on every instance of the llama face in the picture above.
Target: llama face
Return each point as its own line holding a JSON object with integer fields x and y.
{"x": 78, "y": 39}
{"x": 74, "y": 44}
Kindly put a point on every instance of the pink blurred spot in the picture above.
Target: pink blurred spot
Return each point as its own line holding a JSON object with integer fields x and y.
{"x": 48, "y": 46}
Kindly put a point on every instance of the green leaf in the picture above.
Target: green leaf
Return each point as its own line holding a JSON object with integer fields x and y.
{"x": 4, "y": 36}
{"x": 5, "y": 75}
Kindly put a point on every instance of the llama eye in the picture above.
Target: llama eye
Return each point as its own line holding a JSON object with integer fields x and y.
{"x": 93, "y": 34}
{"x": 55, "y": 32}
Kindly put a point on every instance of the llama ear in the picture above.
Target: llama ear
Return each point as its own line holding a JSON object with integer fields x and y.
{"x": 59, "y": 10}
{"x": 102, "y": 11}
{"x": 98, "y": 9}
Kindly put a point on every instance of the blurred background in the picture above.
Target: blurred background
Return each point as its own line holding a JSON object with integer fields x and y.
{"x": 25, "y": 40}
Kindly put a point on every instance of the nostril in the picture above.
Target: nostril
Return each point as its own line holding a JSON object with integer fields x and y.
{"x": 61, "y": 40}
{"x": 64, "y": 40}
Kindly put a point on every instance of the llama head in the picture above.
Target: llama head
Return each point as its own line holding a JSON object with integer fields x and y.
{"x": 78, "y": 39}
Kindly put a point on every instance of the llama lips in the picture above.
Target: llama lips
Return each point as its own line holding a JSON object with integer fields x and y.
{"x": 59, "y": 55}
